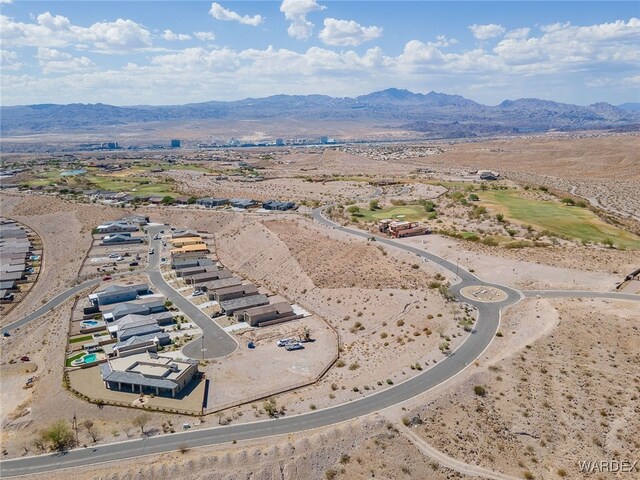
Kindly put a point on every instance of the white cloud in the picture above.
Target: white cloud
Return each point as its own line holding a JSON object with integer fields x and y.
{"x": 563, "y": 45}
{"x": 485, "y": 32}
{"x": 518, "y": 33}
{"x": 53, "y": 61}
{"x": 631, "y": 81}
{"x": 6, "y": 2}
{"x": 58, "y": 31}
{"x": 220, "y": 13}
{"x": 172, "y": 37}
{"x": 443, "y": 41}
{"x": 547, "y": 59}
{"x": 205, "y": 36}
{"x": 347, "y": 33}
{"x": 9, "y": 60}
{"x": 296, "y": 12}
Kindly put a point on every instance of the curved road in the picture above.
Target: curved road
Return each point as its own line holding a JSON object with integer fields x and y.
{"x": 217, "y": 342}
{"x": 485, "y": 329}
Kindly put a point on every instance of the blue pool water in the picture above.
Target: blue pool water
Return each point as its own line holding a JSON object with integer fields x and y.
{"x": 89, "y": 323}
{"x": 71, "y": 173}
{"x": 89, "y": 358}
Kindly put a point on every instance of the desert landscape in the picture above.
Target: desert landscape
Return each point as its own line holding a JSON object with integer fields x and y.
{"x": 391, "y": 313}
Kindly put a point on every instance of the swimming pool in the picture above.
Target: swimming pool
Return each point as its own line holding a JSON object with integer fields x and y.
{"x": 89, "y": 323}
{"x": 92, "y": 357}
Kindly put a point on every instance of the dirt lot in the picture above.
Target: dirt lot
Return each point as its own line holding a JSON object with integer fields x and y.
{"x": 283, "y": 189}
{"x": 97, "y": 261}
{"x": 260, "y": 372}
{"x": 557, "y": 267}
{"x": 561, "y": 387}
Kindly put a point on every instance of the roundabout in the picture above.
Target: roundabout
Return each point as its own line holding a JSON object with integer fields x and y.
{"x": 483, "y": 293}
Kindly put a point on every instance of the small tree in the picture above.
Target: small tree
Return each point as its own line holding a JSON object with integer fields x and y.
{"x": 270, "y": 407}
{"x": 374, "y": 205}
{"x": 141, "y": 421}
{"x": 353, "y": 209}
{"x": 500, "y": 217}
{"x": 608, "y": 242}
{"x": 568, "y": 201}
{"x": 473, "y": 197}
{"x": 429, "y": 206}
{"x": 168, "y": 200}
{"x": 58, "y": 435}
{"x": 91, "y": 429}
{"x": 191, "y": 200}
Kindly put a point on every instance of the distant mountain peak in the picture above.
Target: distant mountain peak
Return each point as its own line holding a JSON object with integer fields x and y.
{"x": 434, "y": 113}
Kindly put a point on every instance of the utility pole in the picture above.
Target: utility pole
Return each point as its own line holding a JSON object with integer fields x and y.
{"x": 202, "y": 349}
{"x": 75, "y": 427}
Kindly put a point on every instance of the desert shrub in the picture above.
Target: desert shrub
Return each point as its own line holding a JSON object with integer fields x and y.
{"x": 480, "y": 390}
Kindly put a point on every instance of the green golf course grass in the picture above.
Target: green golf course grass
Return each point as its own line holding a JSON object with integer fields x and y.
{"x": 410, "y": 213}
{"x": 557, "y": 218}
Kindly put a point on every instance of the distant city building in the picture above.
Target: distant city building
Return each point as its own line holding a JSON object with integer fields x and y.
{"x": 324, "y": 140}
{"x": 175, "y": 143}
{"x": 279, "y": 142}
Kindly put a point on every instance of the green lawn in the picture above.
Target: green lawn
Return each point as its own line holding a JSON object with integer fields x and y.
{"x": 572, "y": 222}
{"x": 410, "y": 213}
{"x": 111, "y": 182}
{"x": 72, "y": 358}
{"x": 84, "y": 338}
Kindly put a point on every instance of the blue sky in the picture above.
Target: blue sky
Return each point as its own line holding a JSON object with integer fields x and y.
{"x": 172, "y": 52}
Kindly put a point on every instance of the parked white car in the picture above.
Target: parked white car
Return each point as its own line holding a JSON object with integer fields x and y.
{"x": 284, "y": 341}
{"x": 197, "y": 293}
{"x": 293, "y": 346}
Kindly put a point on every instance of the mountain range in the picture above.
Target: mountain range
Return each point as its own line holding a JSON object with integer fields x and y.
{"x": 433, "y": 114}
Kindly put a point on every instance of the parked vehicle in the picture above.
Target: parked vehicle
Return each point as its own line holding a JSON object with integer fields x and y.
{"x": 113, "y": 255}
{"x": 293, "y": 346}
{"x": 152, "y": 251}
{"x": 197, "y": 293}
{"x": 106, "y": 279}
{"x": 25, "y": 359}
{"x": 6, "y": 334}
{"x": 251, "y": 345}
{"x": 133, "y": 264}
{"x": 284, "y": 341}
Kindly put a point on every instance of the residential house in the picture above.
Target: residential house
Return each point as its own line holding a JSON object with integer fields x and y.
{"x": 236, "y": 291}
{"x": 212, "y": 202}
{"x": 269, "y": 314}
{"x": 148, "y": 373}
{"x": 118, "y": 293}
{"x": 119, "y": 239}
{"x": 242, "y": 203}
{"x": 282, "y": 206}
{"x": 230, "y": 307}
{"x": 207, "y": 276}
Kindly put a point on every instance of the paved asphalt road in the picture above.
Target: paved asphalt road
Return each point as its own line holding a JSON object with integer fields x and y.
{"x": 217, "y": 343}
{"x": 485, "y": 329}
{"x": 580, "y": 293}
{"x": 50, "y": 305}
